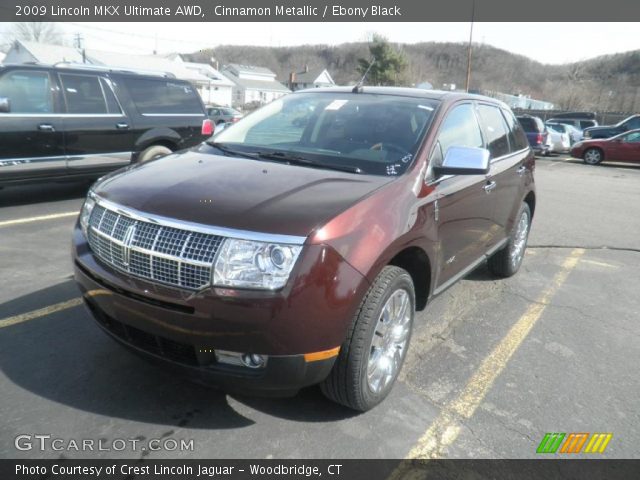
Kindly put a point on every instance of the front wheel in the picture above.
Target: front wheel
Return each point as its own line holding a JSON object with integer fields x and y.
{"x": 506, "y": 262}
{"x": 593, "y": 156}
{"x": 376, "y": 345}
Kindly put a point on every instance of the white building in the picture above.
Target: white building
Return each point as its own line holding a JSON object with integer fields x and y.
{"x": 34, "y": 52}
{"x": 211, "y": 84}
{"x": 253, "y": 84}
{"x": 310, "y": 79}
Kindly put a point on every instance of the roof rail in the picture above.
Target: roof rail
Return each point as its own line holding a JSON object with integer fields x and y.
{"x": 100, "y": 68}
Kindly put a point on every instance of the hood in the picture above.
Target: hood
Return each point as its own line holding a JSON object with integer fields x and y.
{"x": 245, "y": 194}
{"x": 604, "y": 128}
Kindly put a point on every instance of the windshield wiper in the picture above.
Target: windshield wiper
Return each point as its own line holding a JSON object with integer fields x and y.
{"x": 231, "y": 151}
{"x": 293, "y": 159}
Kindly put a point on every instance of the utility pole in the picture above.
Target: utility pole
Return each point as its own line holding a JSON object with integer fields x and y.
{"x": 78, "y": 40}
{"x": 473, "y": 12}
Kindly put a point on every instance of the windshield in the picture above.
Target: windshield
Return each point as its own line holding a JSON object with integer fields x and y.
{"x": 375, "y": 134}
{"x": 556, "y": 128}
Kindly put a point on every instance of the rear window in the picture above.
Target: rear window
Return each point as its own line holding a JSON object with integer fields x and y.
{"x": 557, "y": 128}
{"x": 153, "y": 96}
{"x": 83, "y": 94}
{"x": 587, "y": 123}
{"x": 529, "y": 124}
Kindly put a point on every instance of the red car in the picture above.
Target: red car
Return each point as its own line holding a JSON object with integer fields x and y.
{"x": 621, "y": 148}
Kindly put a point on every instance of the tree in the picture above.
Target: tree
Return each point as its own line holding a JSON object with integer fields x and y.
{"x": 388, "y": 63}
{"x": 43, "y": 32}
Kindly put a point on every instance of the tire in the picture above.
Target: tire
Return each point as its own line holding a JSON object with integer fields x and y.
{"x": 352, "y": 381}
{"x": 153, "y": 152}
{"x": 593, "y": 156}
{"x": 506, "y": 261}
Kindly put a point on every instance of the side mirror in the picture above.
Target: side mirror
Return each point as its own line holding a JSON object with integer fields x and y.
{"x": 464, "y": 161}
{"x": 5, "y": 105}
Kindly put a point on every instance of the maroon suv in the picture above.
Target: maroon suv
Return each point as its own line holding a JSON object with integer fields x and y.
{"x": 295, "y": 247}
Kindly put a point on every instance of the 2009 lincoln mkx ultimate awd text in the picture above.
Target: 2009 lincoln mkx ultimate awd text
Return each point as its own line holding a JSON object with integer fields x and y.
{"x": 295, "y": 246}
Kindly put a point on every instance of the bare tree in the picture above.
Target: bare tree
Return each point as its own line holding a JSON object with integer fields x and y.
{"x": 43, "y": 32}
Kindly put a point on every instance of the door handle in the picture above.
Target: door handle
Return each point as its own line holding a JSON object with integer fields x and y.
{"x": 489, "y": 186}
{"x": 122, "y": 125}
{"x": 46, "y": 127}
{"x": 521, "y": 170}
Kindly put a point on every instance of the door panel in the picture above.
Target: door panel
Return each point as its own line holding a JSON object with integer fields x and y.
{"x": 465, "y": 220}
{"x": 625, "y": 149}
{"x": 31, "y": 134}
{"x": 98, "y": 134}
{"x": 464, "y": 210}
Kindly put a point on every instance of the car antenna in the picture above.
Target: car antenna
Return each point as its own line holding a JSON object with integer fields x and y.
{"x": 358, "y": 86}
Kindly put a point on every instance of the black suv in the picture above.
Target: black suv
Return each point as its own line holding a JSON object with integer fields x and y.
{"x": 608, "y": 131}
{"x": 79, "y": 121}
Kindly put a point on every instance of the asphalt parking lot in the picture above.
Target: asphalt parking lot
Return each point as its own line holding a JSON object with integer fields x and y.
{"x": 493, "y": 365}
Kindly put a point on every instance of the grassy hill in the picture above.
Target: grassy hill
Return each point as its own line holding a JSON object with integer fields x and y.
{"x": 610, "y": 82}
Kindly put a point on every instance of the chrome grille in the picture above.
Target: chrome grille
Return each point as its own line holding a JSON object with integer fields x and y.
{"x": 163, "y": 254}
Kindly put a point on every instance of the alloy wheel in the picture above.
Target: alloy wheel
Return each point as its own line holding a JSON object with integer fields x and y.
{"x": 520, "y": 239}
{"x": 389, "y": 341}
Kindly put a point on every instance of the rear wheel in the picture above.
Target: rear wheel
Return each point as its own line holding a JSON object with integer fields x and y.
{"x": 153, "y": 152}
{"x": 506, "y": 262}
{"x": 593, "y": 156}
{"x": 376, "y": 345}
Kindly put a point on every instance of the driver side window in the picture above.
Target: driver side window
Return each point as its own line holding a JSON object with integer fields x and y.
{"x": 460, "y": 129}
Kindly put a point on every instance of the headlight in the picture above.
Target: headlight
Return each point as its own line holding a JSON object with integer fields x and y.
{"x": 85, "y": 213}
{"x": 249, "y": 264}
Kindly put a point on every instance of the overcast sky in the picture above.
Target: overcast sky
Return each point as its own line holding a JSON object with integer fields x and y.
{"x": 545, "y": 42}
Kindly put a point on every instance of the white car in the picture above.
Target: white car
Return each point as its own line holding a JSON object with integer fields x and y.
{"x": 575, "y": 134}
{"x": 559, "y": 138}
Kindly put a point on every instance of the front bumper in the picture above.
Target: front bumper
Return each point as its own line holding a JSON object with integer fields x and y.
{"x": 182, "y": 330}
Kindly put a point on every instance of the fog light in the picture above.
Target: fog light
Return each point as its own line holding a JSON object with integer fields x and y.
{"x": 253, "y": 360}
{"x": 250, "y": 360}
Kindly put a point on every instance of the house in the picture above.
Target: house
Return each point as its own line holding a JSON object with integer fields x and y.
{"x": 253, "y": 84}
{"x": 212, "y": 86}
{"x": 22, "y": 51}
{"x": 219, "y": 90}
{"x": 310, "y": 79}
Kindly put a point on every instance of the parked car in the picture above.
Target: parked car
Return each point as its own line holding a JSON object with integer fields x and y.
{"x": 560, "y": 138}
{"x": 223, "y": 114}
{"x": 578, "y": 123}
{"x": 537, "y": 134}
{"x": 579, "y": 120}
{"x": 575, "y": 134}
{"x": 273, "y": 257}
{"x": 621, "y": 148}
{"x": 630, "y": 123}
{"x": 70, "y": 121}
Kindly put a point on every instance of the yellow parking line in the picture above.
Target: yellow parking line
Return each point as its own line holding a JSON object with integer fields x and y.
{"x": 25, "y": 317}
{"x": 446, "y": 427}
{"x": 41, "y": 312}
{"x": 54, "y": 216}
{"x": 600, "y": 264}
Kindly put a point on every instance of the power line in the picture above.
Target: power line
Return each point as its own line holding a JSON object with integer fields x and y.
{"x": 135, "y": 34}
